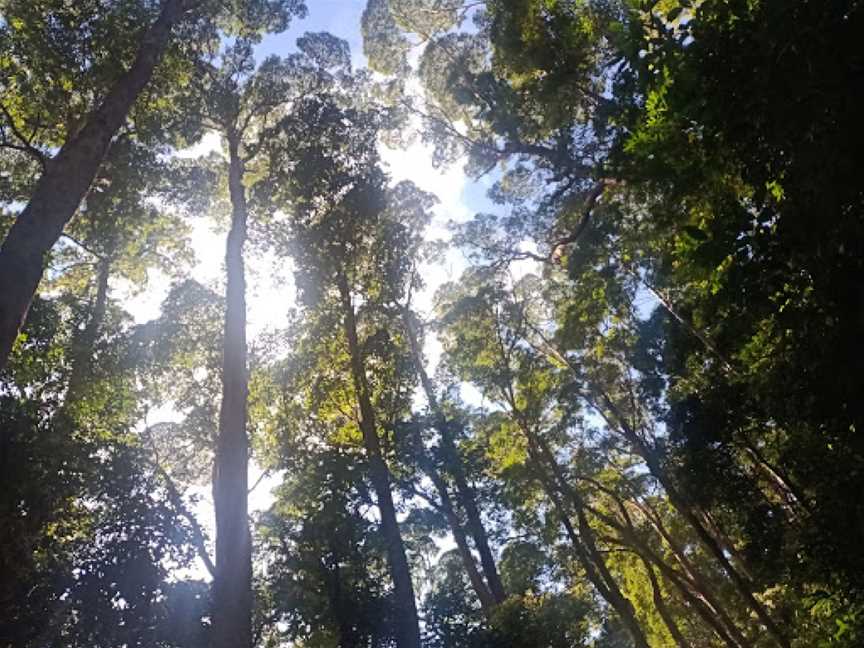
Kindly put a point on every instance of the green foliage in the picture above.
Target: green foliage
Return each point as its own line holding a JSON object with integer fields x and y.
{"x": 89, "y": 534}
{"x": 326, "y": 563}
{"x": 650, "y": 372}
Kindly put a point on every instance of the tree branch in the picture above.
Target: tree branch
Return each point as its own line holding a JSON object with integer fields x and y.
{"x": 26, "y": 145}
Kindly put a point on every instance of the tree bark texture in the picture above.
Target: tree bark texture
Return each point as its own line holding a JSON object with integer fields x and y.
{"x": 232, "y": 585}
{"x": 66, "y": 180}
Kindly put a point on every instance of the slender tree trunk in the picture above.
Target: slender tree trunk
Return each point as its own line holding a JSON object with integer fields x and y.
{"x": 333, "y": 577}
{"x": 468, "y": 502}
{"x": 713, "y": 616}
{"x": 775, "y": 475}
{"x": 741, "y": 583}
{"x": 683, "y": 321}
{"x": 232, "y": 585}
{"x": 643, "y": 451}
{"x": 662, "y": 609}
{"x": 590, "y": 559}
{"x": 67, "y": 179}
{"x": 83, "y": 344}
{"x": 465, "y": 494}
{"x": 487, "y": 602}
{"x": 586, "y": 547}
{"x": 408, "y": 626}
{"x": 694, "y": 579}
{"x": 703, "y": 601}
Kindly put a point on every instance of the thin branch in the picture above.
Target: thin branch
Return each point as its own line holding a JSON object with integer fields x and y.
{"x": 26, "y": 144}
{"x": 265, "y": 473}
{"x": 198, "y": 537}
{"x": 81, "y": 245}
{"x": 587, "y": 208}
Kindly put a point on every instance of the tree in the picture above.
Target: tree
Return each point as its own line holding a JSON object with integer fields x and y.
{"x": 67, "y": 176}
{"x": 491, "y": 591}
{"x": 347, "y": 233}
{"x": 90, "y": 530}
{"x": 327, "y": 569}
{"x": 642, "y": 425}
{"x": 242, "y": 104}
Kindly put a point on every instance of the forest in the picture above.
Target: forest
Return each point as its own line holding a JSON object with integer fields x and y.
{"x": 431, "y": 324}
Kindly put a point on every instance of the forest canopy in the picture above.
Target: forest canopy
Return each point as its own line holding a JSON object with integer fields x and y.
{"x": 431, "y": 323}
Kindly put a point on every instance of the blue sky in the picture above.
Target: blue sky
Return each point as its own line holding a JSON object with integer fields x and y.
{"x": 339, "y": 17}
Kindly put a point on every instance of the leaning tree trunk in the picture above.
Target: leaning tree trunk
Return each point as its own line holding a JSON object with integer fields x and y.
{"x": 66, "y": 181}
{"x": 662, "y": 609}
{"x": 590, "y": 559}
{"x": 484, "y": 596}
{"x": 617, "y": 421}
{"x": 232, "y": 585}
{"x": 407, "y": 624}
{"x": 587, "y": 551}
{"x": 465, "y": 494}
{"x": 700, "y": 598}
{"x": 684, "y": 507}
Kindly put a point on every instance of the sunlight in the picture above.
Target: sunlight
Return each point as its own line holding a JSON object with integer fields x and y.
{"x": 271, "y": 295}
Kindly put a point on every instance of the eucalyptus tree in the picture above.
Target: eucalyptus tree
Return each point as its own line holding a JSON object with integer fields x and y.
{"x": 122, "y": 235}
{"x": 522, "y": 86}
{"x": 447, "y": 461}
{"x": 649, "y": 515}
{"x": 245, "y": 105}
{"x": 482, "y": 348}
{"x": 94, "y": 399}
{"x": 352, "y": 239}
{"x": 442, "y": 464}
{"x": 721, "y": 189}
{"x": 58, "y": 40}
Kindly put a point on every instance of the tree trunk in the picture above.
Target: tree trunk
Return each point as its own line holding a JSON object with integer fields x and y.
{"x": 66, "y": 181}
{"x": 465, "y": 494}
{"x": 694, "y": 579}
{"x": 742, "y": 585}
{"x": 702, "y": 603}
{"x": 84, "y": 343}
{"x": 590, "y": 557}
{"x": 662, "y": 610}
{"x": 232, "y": 585}
{"x": 485, "y": 597}
{"x": 348, "y": 638}
{"x": 791, "y": 494}
{"x": 408, "y": 626}
{"x": 591, "y": 561}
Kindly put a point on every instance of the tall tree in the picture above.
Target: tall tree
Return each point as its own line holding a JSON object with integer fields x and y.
{"x": 243, "y": 104}
{"x": 87, "y": 520}
{"x": 493, "y": 589}
{"x": 67, "y": 176}
{"x": 347, "y": 246}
